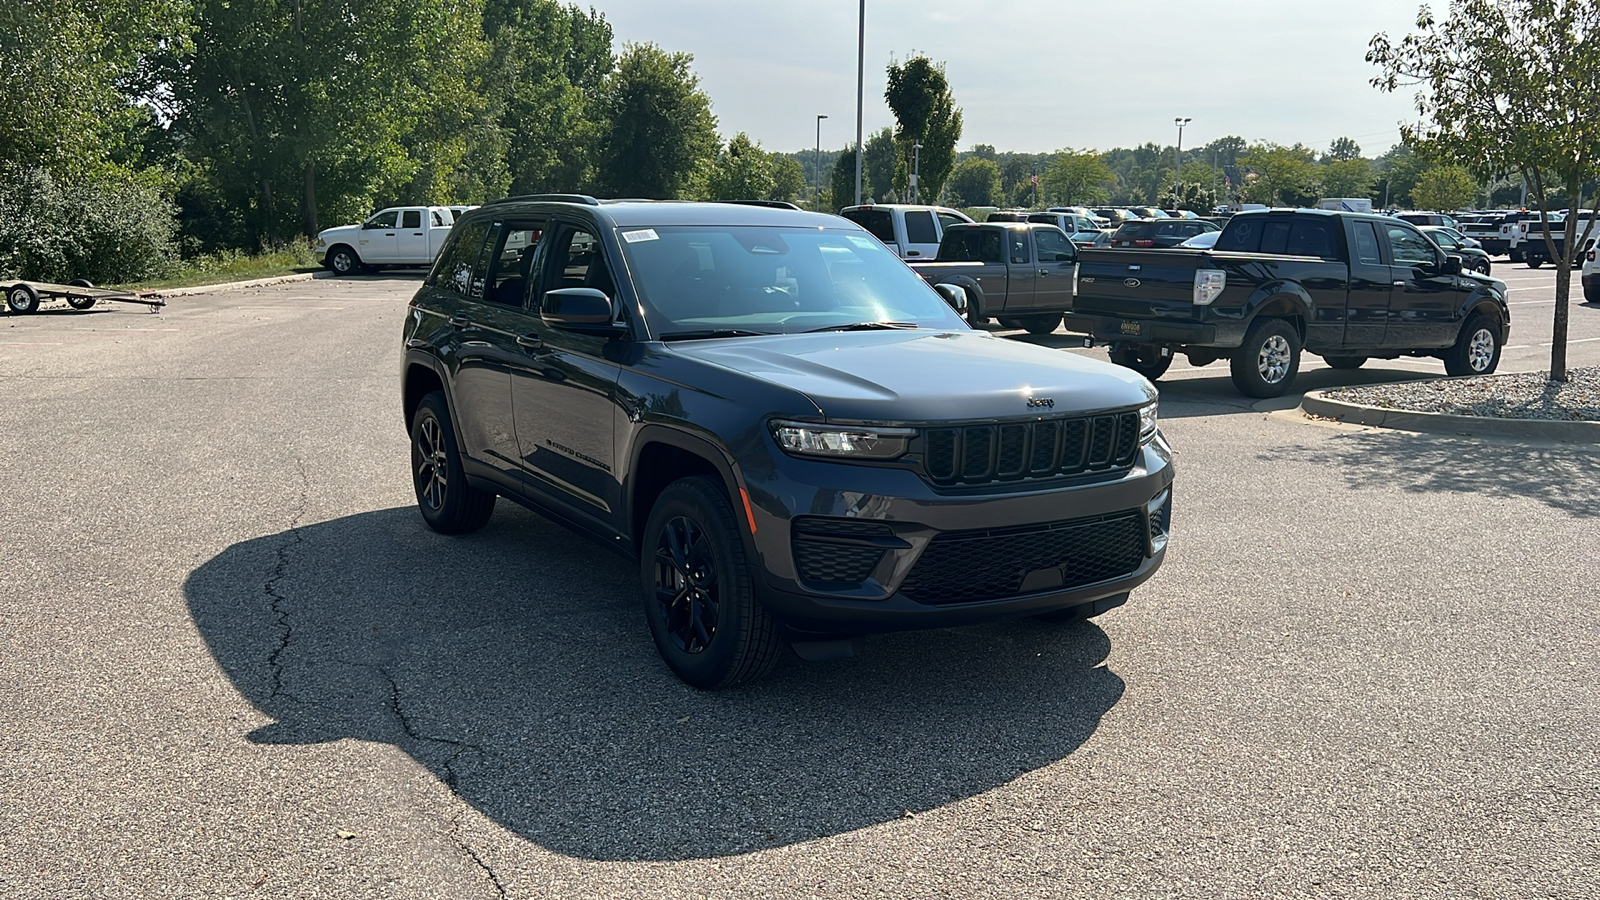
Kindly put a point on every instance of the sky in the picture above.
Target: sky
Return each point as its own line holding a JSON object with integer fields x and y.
{"x": 1043, "y": 75}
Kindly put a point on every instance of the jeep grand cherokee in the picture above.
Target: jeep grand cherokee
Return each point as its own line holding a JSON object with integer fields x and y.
{"x": 795, "y": 437}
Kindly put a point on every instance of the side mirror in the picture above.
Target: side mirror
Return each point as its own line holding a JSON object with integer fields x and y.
{"x": 1452, "y": 265}
{"x": 582, "y": 309}
{"x": 953, "y": 294}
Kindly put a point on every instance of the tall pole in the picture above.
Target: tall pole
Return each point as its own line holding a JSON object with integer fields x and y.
{"x": 1177, "y": 158}
{"x": 861, "y": 88}
{"x": 916, "y": 173}
{"x": 818, "y": 171}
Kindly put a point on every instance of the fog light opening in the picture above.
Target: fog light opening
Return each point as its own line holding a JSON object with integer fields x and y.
{"x": 1157, "y": 521}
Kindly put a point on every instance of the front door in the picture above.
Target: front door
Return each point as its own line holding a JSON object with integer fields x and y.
{"x": 565, "y": 390}
{"x": 1057, "y": 258}
{"x": 1423, "y": 301}
{"x": 378, "y": 241}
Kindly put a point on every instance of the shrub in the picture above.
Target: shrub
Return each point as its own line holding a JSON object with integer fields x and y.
{"x": 108, "y": 228}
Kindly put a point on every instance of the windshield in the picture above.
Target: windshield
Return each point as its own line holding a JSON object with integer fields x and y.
{"x": 772, "y": 280}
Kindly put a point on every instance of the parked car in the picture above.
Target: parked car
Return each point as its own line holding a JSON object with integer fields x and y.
{"x": 1590, "y": 278}
{"x": 1148, "y": 212}
{"x": 1426, "y": 218}
{"x": 1346, "y": 286}
{"x": 1203, "y": 241}
{"x": 1114, "y": 215}
{"x": 793, "y": 438}
{"x": 1450, "y": 241}
{"x": 1079, "y": 229}
{"x": 1147, "y": 233}
{"x": 1018, "y": 272}
{"x": 398, "y": 236}
{"x": 911, "y": 231}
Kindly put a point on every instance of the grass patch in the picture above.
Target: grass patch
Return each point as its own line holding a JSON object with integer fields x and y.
{"x": 233, "y": 265}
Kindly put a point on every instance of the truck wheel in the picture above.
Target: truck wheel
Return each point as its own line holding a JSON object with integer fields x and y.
{"x": 699, "y": 599}
{"x": 1044, "y": 324}
{"x": 1146, "y": 359}
{"x": 343, "y": 261}
{"x": 80, "y": 303}
{"x": 1535, "y": 262}
{"x": 1482, "y": 268}
{"x": 1266, "y": 363}
{"x": 1477, "y": 350}
{"x": 1344, "y": 362}
{"x": 22, "y": 299}
{"x": 448, "y": 503}
{"x": 1515, "y": 255}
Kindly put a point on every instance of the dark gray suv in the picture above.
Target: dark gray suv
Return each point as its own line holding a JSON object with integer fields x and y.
{"x": 794, "y": 437}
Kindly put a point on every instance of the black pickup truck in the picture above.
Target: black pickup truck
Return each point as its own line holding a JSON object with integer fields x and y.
{"x": 1345, "y": 286}
{"x": 1021, "y": 273}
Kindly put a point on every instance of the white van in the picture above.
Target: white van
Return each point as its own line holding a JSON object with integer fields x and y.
{"x": 1346, "y": 204}
{"x": 911, "y": 231}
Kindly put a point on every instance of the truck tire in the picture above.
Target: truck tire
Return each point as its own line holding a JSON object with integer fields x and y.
{"x": 80, "y": 303}
{"x": 1482, "y": 268}
{"x": 1344, "y": 362}
{"x": 343, "y": 261}
{"x": 1043, "y": 324}
{"x": 1266, "y": 363}
{"x": 699, "y": 598}
{"x": 1477, "y": 348}
{"x": 22, "y": 299}
{"x": 1146, "y": 359}
{"x": 1535, "y": 262}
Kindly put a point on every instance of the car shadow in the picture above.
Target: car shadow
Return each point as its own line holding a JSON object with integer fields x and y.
{"x": 515, "y": 665}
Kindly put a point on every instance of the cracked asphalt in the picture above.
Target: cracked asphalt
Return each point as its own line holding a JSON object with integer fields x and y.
{"x": 235, "y": 663}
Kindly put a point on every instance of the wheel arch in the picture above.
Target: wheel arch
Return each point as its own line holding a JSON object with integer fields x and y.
{"x": 422, "y": 377}
{"x": 1282, "y": 301}
{"x": 663, "y": 455}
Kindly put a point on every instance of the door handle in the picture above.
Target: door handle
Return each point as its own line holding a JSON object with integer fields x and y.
{"x": 460, "y": 321}
{"x": 1044, "y": 271}
{"x": 913, "y": 252}
{"x": 416, "y": 234}
{"x": 1400, "y": 284}
{"x": 531, "y": 341}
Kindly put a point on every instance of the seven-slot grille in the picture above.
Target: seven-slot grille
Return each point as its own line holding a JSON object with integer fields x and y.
{"x": 973, "y": 566}
{"x": 980, "y": 454}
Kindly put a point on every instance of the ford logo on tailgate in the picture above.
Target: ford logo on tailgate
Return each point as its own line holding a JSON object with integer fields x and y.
{"x": 1130, "y": 282}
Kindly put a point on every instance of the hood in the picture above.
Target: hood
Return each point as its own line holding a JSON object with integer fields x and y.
{"x": 913, "y": 377}
{"x": 328, "y": 234}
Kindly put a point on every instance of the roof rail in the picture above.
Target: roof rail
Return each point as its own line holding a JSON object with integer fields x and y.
{"x": 584, "y": 199}
{"x": 770, "y": 204}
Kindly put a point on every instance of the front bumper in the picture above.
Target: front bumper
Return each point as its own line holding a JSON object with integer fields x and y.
{"x": 915, "y": 558}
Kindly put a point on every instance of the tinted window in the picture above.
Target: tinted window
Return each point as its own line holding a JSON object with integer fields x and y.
{"x": 411, "y": 218}
{"x": 510, "y": 263}
{"x": 971, "y": 245}
{"x": 1310, "y": 237}
{"x": 1367, "y": 244}
{"x": 1018, "y": 241}
{"x": 1407, "y": 247}
{"x": 383, "y": 219}
{"x": 579, "y": 260}
{"x": 920, "y": 228}
{"x": 948, "y": 219}
{"x": 1275, "y": 236}
{"x": 1052, "y": 242}
{"x": 877, "y": 221}
{"x": 459, "y": 259}
{"x": 1243, "y": 235}
{"x": 1127, "y": 231}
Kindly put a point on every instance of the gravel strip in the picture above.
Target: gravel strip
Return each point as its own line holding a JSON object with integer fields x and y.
{"x": 1526, "y": 395}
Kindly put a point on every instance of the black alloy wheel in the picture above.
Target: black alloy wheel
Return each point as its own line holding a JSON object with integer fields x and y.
{"x": 699, "y": 598}
{"x": 1146, "y": 359}
{"x": 448, "y": 503}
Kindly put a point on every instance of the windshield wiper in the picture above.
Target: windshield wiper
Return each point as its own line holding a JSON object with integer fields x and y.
{"x": 710, "y": 333}
{"x": 863, "y": 326}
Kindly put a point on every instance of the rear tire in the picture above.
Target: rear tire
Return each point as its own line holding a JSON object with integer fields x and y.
{"x": 1535, "y": 262}
{"x": 1266, "y": 363}
{"x": 1043, "y": 324}
{"x": 448, "y": 503}
{"x": 699, "y": 598}
{"x": 22, "y": 299}
{"x": 1344, "y": 362}
{"x": 1146, "y": 359}
{"x": 1477, "y": 349}
{"x": 80, "y": 303}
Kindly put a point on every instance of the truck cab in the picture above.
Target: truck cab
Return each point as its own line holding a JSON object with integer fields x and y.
{"x": 397, "y": 236}
{"x": 911, "y": 231}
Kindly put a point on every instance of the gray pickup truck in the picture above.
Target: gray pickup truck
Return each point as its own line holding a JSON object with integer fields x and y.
{"x": 1022, "y": 273}
{"x": 1346, "y": 286}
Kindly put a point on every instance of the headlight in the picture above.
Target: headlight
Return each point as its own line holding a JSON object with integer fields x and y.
{"x": 1147, "y": 422}
{"x": 321, "y": 242}
{"x": 852, "y": 442}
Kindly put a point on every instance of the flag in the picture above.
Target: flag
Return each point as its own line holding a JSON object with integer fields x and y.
{"x": 1035, "y": 179}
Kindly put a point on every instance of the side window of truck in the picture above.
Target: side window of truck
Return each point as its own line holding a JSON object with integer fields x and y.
{"x": 920, "y": 228}
{"x": 1241, "y": 236}
{"x": 411, "y": 218}
{"x": 1275, "y": 236}
{"x": 1310, "y": 237}
{"x": 878, "y": 222}
{"x": 947, "y": 219}
{"x": 1019, "y": 248}
{"x": 1367, "y": 244}
{"x": 1053, "y": 245}
{"x": 989, "y": 248}
{"x": 1408, "y": 248}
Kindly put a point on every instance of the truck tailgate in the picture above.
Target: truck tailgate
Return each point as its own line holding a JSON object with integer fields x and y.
{"x": 1138, "y": 284}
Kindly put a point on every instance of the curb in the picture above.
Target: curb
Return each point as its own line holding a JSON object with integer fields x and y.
{"x": 236, "y": 285}
{"x": 1318, "y": 404}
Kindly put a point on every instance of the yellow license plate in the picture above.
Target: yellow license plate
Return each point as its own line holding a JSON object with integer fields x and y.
{"x": 1130, "y": 327}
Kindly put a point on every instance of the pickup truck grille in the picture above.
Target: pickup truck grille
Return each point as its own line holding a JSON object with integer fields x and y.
{"x": 973, "y": 566}
{"x": 983, "y": 454}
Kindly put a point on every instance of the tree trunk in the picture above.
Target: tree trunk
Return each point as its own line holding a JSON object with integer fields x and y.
{"x": 308, "y": 200}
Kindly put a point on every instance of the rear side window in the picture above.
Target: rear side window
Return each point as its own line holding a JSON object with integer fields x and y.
{"x": 411, "y": 218}
{"x": 1310, "y": 237}
{"x": 878, "y": 222}
{"x": 920, "y": 228}
{"x": 959, "y": 246}
{"x": 1243, "y": 235}
{"x": 1367, "y": 244}
{"x": 1275, "y": 236}
{"x": 457, "y": 269}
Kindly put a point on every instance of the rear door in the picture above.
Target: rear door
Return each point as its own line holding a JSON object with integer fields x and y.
{"x": 411, "y": 240}
{"x": 1018, "y": 255}
{"x": 1056, "y": 259}
{"x": 922, "y": 234}
{"x": 1367, "y": 306}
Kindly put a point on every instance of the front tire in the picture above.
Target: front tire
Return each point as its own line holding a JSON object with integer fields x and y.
{"x": 1146, "y": 359}
{"x": 1477, "y": 349}
{"x": 1266, "y": 363}
{"x": 1042, "y": 324}
{"x": 343, "y": 261}
{"x": 1344, "y": 362}
{"x": 22, "y": 299}
{"x": 448, "y": 503}
{"x": 80, "y": 303}
{"x": 699, "y": 598}
{"x": 1535, "y": 262}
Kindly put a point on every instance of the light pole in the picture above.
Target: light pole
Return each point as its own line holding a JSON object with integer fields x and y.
{"x": 861, "y": 81}
{"x": 818, "y": 171}
{"x": 916, "y": 170}
{"x": 1177, "y": 157}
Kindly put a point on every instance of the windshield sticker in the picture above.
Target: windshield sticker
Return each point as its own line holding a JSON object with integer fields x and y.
{"x": 647, "y": 234}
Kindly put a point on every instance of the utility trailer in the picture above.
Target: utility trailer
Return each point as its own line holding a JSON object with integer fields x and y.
{"x": 24, "y": 297}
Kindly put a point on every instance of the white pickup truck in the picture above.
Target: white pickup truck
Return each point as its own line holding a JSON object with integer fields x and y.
{"x": 398, "y": 236}
{"x": 909, "y": 230}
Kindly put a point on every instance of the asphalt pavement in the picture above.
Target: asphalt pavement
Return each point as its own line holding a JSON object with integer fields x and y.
{"x": 236, "y": 663}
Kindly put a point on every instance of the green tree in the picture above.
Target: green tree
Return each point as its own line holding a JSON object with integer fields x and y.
{"x": 926, "y": 114}
{"x": 741, "y": 171}
{"x": 1398, "y": 171}
{"x": 1076, "y": 178}
{"x": 1343, "y": 150}
{"x": 842, "y": 183}
{"x": 1445, "y": 188}
{"x": 788, "y": 181}
{"x": 1193, "y": 196}
{"x": 1347, "y": 178}
{"x": 975, "y": 182}
{"x": 1284, "y": 176}
{"x": 1503, "y": 85}
{"x": 657, "y": 131}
